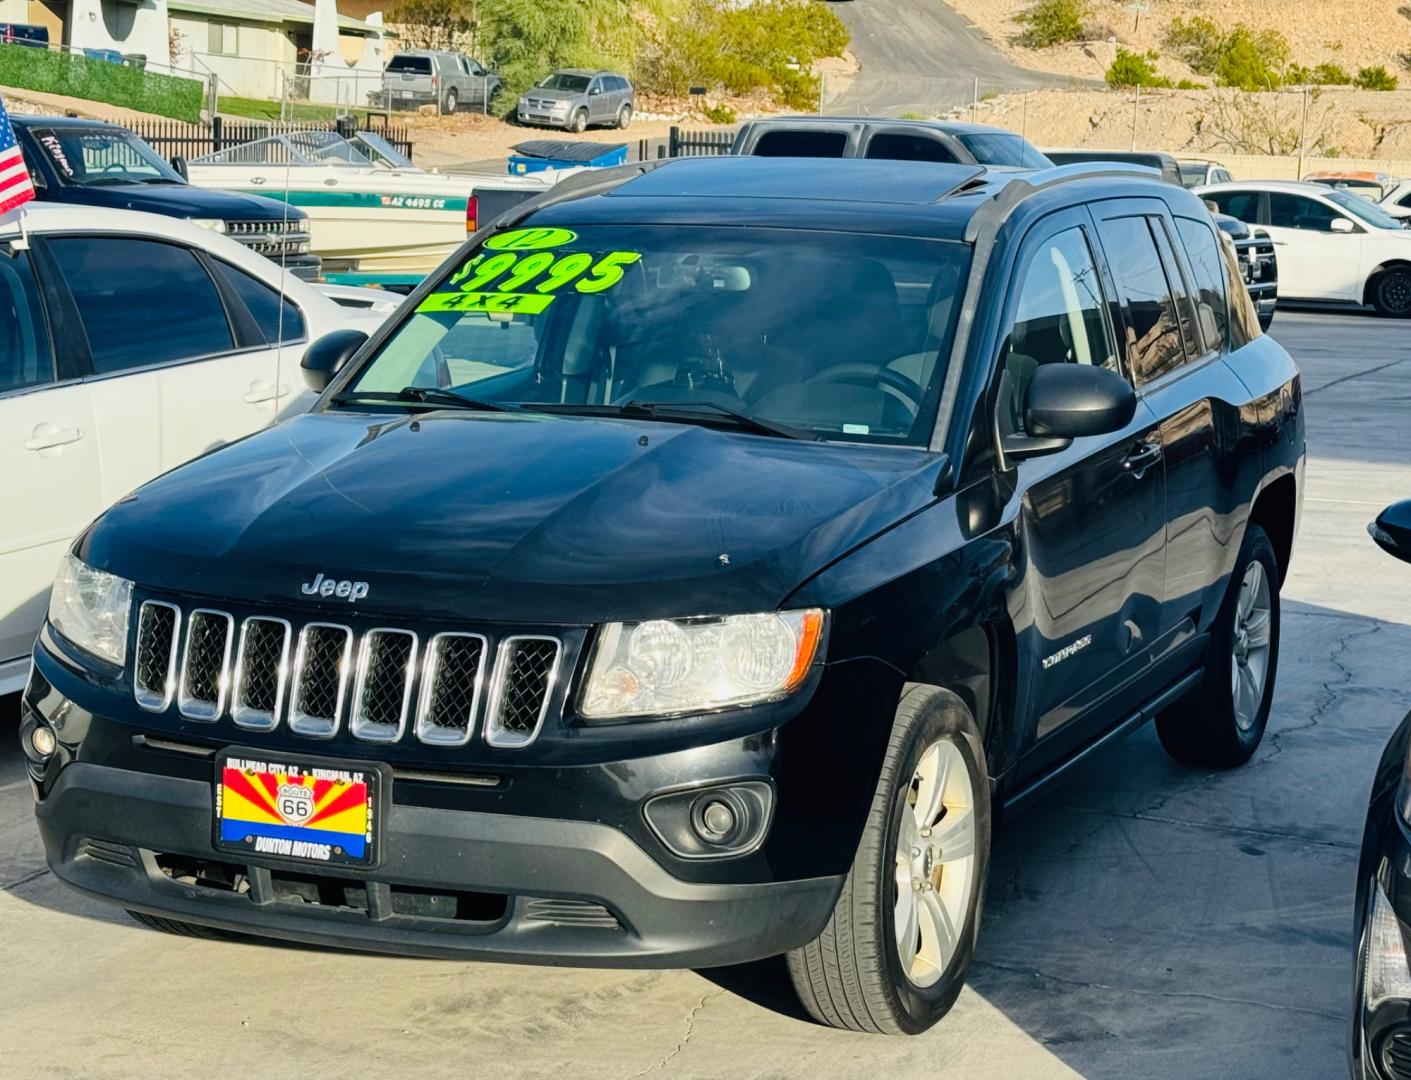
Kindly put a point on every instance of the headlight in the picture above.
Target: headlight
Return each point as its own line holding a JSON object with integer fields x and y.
{"x": 90, "y": 608}
{"x": 214, "y": 224}
{"x": 1387, "y": 976}
{"x": 669, "y": 666}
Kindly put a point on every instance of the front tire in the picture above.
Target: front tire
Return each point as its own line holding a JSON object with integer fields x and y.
{"x": 579, "y": 123}
{"x": 1391, "y": 292}
{"x": 893, "y": 957}
{"x": 1222, "y": 724}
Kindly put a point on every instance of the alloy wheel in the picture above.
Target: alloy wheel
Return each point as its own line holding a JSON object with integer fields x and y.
{"x": 1252, "y": 641}
{"x": 935, "y": 863}
{"x": 1394, "y": 293}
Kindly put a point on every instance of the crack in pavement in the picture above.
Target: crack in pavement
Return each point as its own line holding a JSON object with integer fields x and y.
{"x": 686, "y": 1036}
{"x": 24, "y": 880}
{"x": 1213, "y": 826}
{"x": 1019, "y": 969}
{"x": 1349, "y": 378}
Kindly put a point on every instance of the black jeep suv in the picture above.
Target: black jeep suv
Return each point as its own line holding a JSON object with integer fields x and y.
{"x": 691, "y": 572}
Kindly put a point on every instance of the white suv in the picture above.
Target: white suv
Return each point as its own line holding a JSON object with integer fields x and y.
{"x": 129, "y": 344}
{"x": 1332, "y": 245}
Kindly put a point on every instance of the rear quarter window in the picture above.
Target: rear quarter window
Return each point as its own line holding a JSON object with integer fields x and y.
{"x": 894, "y": 146}
{"x": 1203, "y": 254}
{"x": 823, "y": 144}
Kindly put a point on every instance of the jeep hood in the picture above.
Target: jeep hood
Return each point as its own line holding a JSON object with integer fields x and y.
{"x": 513, "y": 518}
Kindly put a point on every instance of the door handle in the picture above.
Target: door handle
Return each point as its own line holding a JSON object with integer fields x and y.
{"x": 1143, "y": 456}
{"x": 47, "y": 436}
{"x": 263, "y": 391}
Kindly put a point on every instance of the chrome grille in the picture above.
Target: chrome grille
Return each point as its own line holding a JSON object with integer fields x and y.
{"x": 154, "y": 664}
{"x": 525, "y": 672}
{"x": 269, "y": 237}
{"x": 450, "y": 689}
{"x": 386, "y": 667}
{"x": 266, "y": 670}
{"x": 261, "y": 673}
{"x": 205, "y": 665}
{"x": 320, "y": 679}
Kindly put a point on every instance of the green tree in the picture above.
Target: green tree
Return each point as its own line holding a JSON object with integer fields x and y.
{"x": 526, "y": 39}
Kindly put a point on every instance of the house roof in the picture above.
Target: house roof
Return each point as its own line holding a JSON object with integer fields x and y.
{"x": 266, "y": 11}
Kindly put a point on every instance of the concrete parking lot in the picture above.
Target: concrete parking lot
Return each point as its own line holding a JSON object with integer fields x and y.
{"x": 1144, "y": 920}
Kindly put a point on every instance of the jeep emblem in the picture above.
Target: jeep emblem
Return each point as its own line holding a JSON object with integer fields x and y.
{"x": 351, "y": 591}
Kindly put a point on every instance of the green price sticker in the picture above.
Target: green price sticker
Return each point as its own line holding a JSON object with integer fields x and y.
{"x": 503, "y": 302}
{"x": 546, "y": 272}
{"x": 530, "y": 239}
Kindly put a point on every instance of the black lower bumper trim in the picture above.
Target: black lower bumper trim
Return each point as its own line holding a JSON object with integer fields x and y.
{"x": 659, "y": 920}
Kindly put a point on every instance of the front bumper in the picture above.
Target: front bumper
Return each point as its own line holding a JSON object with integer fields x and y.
{"x": 574, "y": 892}
{"x": 543, "y": 119}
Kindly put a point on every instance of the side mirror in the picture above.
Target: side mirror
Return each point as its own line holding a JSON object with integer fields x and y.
{"x": 326, "y": 357}
{"x": 178, "y": 164}
{"x": 1068, "y": 401}
{"x": 595, "y": 91}
{"x": 1342, "y": 225}
{"x": 1392, "y": 530}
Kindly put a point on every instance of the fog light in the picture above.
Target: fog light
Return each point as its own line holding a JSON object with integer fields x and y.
{"x": 718, "y": 819}
{"x": 42, "y": 739}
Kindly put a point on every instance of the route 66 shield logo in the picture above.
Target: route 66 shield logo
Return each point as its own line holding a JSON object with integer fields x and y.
{"x": 295, "y": 803}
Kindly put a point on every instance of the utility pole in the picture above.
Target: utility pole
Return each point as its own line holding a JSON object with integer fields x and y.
{"x": 1303, "y": 135}
{"x": 1136, "y": 106}
{"x": 975, "y": 102}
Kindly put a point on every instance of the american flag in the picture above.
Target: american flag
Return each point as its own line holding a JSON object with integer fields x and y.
{"x": 15, "y": 186}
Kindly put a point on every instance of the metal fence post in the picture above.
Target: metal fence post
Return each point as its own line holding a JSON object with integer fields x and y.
{"x": 1136, "y": 106}
{"x": 674, "y": 144}
{"x": 1303, "y": 135}
{"x": 217, "y": 135}
{"x": 975, "y": 102}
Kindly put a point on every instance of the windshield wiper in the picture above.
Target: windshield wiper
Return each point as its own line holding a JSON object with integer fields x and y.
{"x": 431, "y": 396}
{"x": 681, "y": 412}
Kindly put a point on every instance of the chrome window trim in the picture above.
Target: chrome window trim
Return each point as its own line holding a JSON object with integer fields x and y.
{"x": 299, "y": 722}
{"x": 185, "y": 704}
{"x": 146, "y": 700}
{"x": 494, "y": 734}
{"x": 360, "y": 682}
{"x": 424, "y": 731}
{"x": 258, "y": 719}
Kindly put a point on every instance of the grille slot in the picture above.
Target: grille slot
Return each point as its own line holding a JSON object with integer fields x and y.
{"x": 1396, "y": 1055}
{"x": 154, "y": 665}
{"x": 383, "y": 689}
{"x": 580, "y": 914}
{"x": 261, "y": 673}
{"x": 205, "y": 666}
{"x": 450, "y": 689}
{"x": 320, "y": 679}
{"x": 526, "y": 670}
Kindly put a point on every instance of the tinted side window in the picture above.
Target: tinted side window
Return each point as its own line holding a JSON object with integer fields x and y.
{"x": 1203, "y": 254}
{"x": 141, "y": 302}
{"x": 25, "y": 355}
{"x": 1241, "y": 204}
{"x": 801, "y": 144}
{"x": 1180, "y": 292}
{"x": 896, "y": 147}
{"x": 1153, "y": 334}
{"x": 1296, "y": 212}
{"x": 1059, "y": 317}
{"x": 263, "y": 304}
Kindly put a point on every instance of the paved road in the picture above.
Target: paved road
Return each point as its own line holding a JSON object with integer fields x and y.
{"x": 1143, "y": 920}
{"x": 921, "y": 57}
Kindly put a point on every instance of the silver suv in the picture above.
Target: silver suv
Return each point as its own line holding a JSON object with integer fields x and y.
{"x": 448, "y": 80}
{"x": 574, "y": 98}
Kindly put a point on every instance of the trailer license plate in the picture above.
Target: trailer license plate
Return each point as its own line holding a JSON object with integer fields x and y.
{"x": 310, "y": 810}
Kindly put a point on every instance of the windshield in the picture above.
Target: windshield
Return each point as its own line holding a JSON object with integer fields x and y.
{"x": 1364, "y": 211}
{"x": 1011, "y": 150}
{"x": 96, "y": 156}
{"x": 838, "y": 335}
{"x": 560, "y": 81}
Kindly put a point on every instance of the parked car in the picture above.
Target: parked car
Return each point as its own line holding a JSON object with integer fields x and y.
{"x": 1397, "y": 201}
{"x": 415, "y": 77}
{"x": 895, "y": 140}
{"x": 679, "y": 579}
{"x": 1332, "y": 246}
{"x": 576, "y": 98}
{"x": 129, "y": 343}
{"x": 1253, "y": 247}
{"x": 1381, "y": 987}
{"x": 24, "y": 34}
{"x": 79, "y": 162}
{"x": 1196, "y": 172}
{"x": 1372, "y": 186}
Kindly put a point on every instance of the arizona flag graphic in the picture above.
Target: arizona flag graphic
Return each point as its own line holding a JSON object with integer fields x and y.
{"x": 292, "y": 813}
{"x": 15, "y": 186}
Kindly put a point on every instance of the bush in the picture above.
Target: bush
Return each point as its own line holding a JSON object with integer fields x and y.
{"x": 1238, "y": 57}
{"x": 1134, "y": 69}
{"x": 96, "y": 80}
{"x": 1197, "y": 43}
{"x": 1375, "y": 78}
{"x": 526, "y": 39}
{"x": 1051, "y": 22}
{"x": 1330, "y": 75}
{"x": 719, "y": 114}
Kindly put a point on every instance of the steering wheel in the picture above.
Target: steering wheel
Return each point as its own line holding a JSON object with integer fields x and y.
{"x": 909, "y": 392}
{"x": 114, "y": 167}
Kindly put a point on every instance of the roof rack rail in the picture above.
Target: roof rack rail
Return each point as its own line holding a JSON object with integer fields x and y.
{"x": 1023, "y": 185}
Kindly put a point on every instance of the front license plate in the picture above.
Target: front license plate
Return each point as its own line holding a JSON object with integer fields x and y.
{"x": 311, "y": 810}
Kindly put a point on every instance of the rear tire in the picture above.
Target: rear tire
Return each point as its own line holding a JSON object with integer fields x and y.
{"x": 449, "y": 106}
{"x": 181, "y": 929}
{"x": 1391, "y": 292}
{"x": 1222, "y": 724}
{"x": 861, "y": 974}
{"x": 579, "y": 123}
